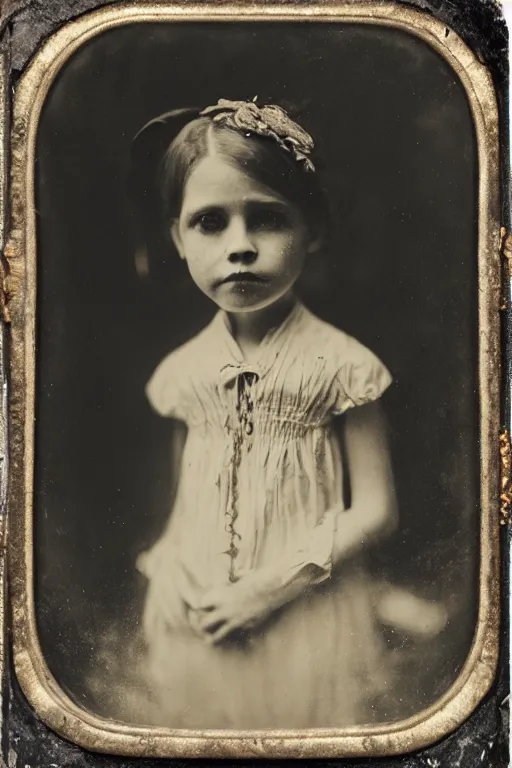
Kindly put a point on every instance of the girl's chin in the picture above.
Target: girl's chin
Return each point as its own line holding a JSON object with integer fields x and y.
{"x": 247, "y": 298}
{"x": 246, "y": 305}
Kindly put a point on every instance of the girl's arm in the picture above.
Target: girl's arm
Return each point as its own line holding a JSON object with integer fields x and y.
{"x": 178, "y": 439}
{"x": 373, "y": 509}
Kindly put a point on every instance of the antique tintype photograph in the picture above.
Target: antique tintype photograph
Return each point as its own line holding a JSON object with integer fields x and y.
{"x": 255, "y": 368}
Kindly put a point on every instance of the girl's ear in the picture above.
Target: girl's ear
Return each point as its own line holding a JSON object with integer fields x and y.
{"x": 176, "y": 238}
{"x": 314, "y": 245}
{"x": 316, "y": 239}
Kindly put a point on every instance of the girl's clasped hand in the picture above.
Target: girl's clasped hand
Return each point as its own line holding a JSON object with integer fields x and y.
{"x": 245, "y": 604}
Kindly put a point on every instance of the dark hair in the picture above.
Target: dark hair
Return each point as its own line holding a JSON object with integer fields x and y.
{"x": 259, "y": 157}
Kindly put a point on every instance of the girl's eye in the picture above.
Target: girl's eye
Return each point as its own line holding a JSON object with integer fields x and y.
{"x": 210, "y": 223}
{"x": 268, "y": 220}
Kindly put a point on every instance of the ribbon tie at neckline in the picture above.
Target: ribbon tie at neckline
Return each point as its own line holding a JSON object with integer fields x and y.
{"x": 230, "y": 372}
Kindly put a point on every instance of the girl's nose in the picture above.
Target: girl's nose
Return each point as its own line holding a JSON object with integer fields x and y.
{"x": 242, "y": 257}
{"x": 241, "y": 248}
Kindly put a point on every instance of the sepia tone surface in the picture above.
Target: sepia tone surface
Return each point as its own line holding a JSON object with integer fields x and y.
{"x": 328, "y": 299}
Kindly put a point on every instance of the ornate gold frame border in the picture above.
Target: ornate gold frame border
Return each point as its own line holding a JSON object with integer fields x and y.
{"x": 41, "y": 689}
{"x": 4, "y": 130}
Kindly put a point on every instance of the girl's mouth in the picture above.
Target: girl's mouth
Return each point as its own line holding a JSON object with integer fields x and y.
{"x": 243, "y": 277}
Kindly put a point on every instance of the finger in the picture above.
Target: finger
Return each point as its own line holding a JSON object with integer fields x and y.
{"x": 211, "y": 621}
{"x": 207, "y": 605}
{"x": 194, "y": 624}
{"x": 220, "y": 634}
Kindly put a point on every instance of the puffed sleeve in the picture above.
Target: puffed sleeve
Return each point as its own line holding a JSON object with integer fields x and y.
{"x": 166, "y": 388}
{"x": 361, "y": 377}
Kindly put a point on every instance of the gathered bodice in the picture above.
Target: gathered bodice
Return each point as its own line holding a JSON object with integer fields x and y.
{"x": 306, "y": 372}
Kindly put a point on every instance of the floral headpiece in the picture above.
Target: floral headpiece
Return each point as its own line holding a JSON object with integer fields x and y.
{"x": 270, "y": 120}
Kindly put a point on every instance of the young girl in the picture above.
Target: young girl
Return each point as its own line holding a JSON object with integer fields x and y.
{"x": 259, "y": 613}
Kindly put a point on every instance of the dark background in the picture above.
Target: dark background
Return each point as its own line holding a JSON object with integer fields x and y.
{"x": 399, "y": 163}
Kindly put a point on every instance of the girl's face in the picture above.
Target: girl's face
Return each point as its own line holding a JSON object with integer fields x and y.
{"x": 244, "y": 245}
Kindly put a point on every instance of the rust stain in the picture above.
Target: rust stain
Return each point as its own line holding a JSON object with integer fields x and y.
{"x": 506, "y": 478}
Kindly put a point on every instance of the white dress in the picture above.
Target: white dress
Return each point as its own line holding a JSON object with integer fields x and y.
{"x": 260, "y": 470}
